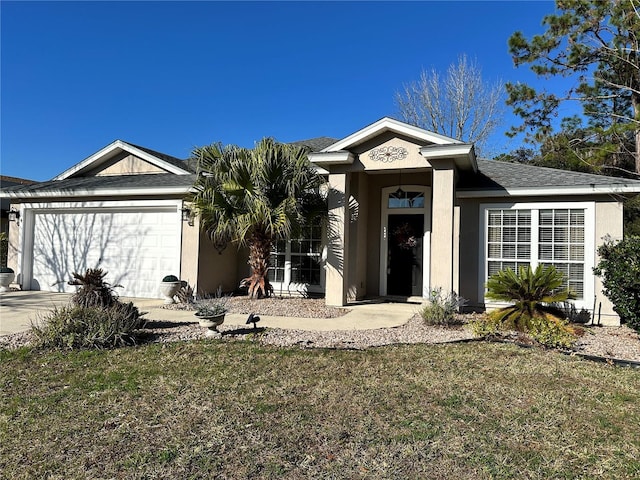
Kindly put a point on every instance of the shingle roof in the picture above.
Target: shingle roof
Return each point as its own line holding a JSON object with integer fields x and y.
{"x": 7, "y": 181}
{"x": 316, "y": 144}
{"x": 496, "y": 175}
{"x": 124, "y": 183}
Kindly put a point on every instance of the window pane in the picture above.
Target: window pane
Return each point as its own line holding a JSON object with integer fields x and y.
{"x": 560, "y": 252}
{"x": 494, "y": 267}
{"x": 546, "y": 234}
{"x": 495, "y": 217}
{"x": 577, "y": 217}
{"x": 524, "y": 234}
{"x": 576, "y": 235}
{"x": 406, "y": 200}
{"x": 495, "y": 234}
{"x": 546, "y": 217}
{"x": 494, "y": 250}
{"x": 508, "y": 251}
{"x": 561, "y": 234}
{"x": 576, "y": 253}
{"x": 509, "y": 234}
{"x": 545, "y": 252}
{"x": 524, "y": 217}
{"x": 524, "y": 251}
{"x": 509, "y": 217}
{"x": 561, "y": 217}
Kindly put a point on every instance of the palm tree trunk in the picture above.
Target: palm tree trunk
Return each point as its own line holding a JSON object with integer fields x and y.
{"x": 259, "y": 254}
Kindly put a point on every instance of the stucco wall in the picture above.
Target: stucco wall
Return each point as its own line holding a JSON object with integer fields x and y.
{"x": 216, "y": 269}
{"x": 125, "y": 164}
{"x": 367, "y": 160}
{"x": 189, "y": 253}
{"x": 609, "y": 222}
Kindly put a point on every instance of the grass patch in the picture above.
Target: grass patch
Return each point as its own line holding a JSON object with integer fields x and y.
{"x": 240, "y": 410}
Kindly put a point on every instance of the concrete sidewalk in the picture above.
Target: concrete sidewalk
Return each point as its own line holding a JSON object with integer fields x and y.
{"x": 19, "y": 309}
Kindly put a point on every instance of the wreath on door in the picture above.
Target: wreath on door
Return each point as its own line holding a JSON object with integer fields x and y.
{"x": 405, "y": 236}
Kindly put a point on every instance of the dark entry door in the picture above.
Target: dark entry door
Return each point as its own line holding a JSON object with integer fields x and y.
{"x": 404, "y": 260}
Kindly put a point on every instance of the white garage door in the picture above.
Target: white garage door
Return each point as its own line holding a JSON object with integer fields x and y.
{"x": 135, "y": 247}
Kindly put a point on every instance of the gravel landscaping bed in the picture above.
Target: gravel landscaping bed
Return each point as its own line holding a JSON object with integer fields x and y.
{"x": 616, "y": 342}
{"x": 277, "y": 306}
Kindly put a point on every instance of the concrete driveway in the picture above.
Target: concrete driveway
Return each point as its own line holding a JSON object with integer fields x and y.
{"x": 19, "y": 309}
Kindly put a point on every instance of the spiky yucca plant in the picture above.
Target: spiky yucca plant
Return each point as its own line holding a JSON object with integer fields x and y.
{"x": 94, "y": 290}
{"x": 531, "y": 293}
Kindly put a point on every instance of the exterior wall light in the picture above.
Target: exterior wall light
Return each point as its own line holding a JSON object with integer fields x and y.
{"x": 186, "y": 216}
{"x": 13, "y": 215}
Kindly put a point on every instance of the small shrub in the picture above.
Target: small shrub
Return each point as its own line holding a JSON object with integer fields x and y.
{"x": 94, "y": 291}
{"x": 77, "y": 326}
{"x": 570, "y": 312}
{"x": 442, "y": 308}
{"x": 533, "y": 294}
{"x": 6, "y": 270}
{"x": 619, "y": 268}
{"x": 170, "y": 278}
{"x": 185, "y": 294}
{"x": 484, "y": 326}
{"x": 213, "y": 306}
{"x": 551, "y": 332}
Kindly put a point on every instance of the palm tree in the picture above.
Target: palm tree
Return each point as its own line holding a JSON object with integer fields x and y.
{"x": 254, "y": 198}
{"x": 532, "y": 293}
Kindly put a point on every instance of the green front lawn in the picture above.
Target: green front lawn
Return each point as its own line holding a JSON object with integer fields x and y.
{"x": 240, "y": 410}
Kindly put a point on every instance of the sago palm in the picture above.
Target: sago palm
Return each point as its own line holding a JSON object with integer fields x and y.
{"x": 531, "y": 292}
{"x": 255, "y": 197}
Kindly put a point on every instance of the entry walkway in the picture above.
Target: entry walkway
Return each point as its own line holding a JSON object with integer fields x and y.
{"x": 19, "y": 309}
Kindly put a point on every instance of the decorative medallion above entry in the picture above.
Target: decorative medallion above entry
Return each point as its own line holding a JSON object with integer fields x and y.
{"x": 388, "y": 154}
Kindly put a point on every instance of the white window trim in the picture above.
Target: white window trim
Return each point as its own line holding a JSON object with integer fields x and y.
{"x": 289, "y": 287}
{"x": 426, "y": 239}
{"x": 589, "y": 244}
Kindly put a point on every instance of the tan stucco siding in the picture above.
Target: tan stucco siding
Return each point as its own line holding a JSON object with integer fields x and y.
{"x": 216, "y": 270}
{"x": 125, "y": 164}
{"x": 370, "y": 157}
{"x": 337, "y": 250}
{"x": 469, "y": 251}
{"x": 360, "y": 243}
{"x": 190, "y": 249}
{"x": 609, "y": 224}
{"x": 442, "y": 221}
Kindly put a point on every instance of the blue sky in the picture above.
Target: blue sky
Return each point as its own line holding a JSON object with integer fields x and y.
{"x": 174, "y": 75}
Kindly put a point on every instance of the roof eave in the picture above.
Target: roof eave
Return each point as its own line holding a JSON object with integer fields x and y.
{"x": 463, "y": 154}
{"x": 100, "y": 192}
{"x": 331, "y": 158}
{"x": 100, "y": 155}
{"x": 546, "y": 191}
{"x": 388, "y": 124}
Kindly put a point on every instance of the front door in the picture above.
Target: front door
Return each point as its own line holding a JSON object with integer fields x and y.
{"x": 404, "y": 257}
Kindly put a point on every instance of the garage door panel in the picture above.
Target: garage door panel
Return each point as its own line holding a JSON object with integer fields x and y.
{"x": 135, "y": 248}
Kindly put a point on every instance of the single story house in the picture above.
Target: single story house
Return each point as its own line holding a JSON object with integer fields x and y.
{"x": 410, "y": 210}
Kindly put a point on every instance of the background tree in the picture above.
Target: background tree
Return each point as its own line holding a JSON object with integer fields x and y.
{"x": 255, "y": 197}
{"x": 459, "y": 104}
{"x": 597, "y": 42}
